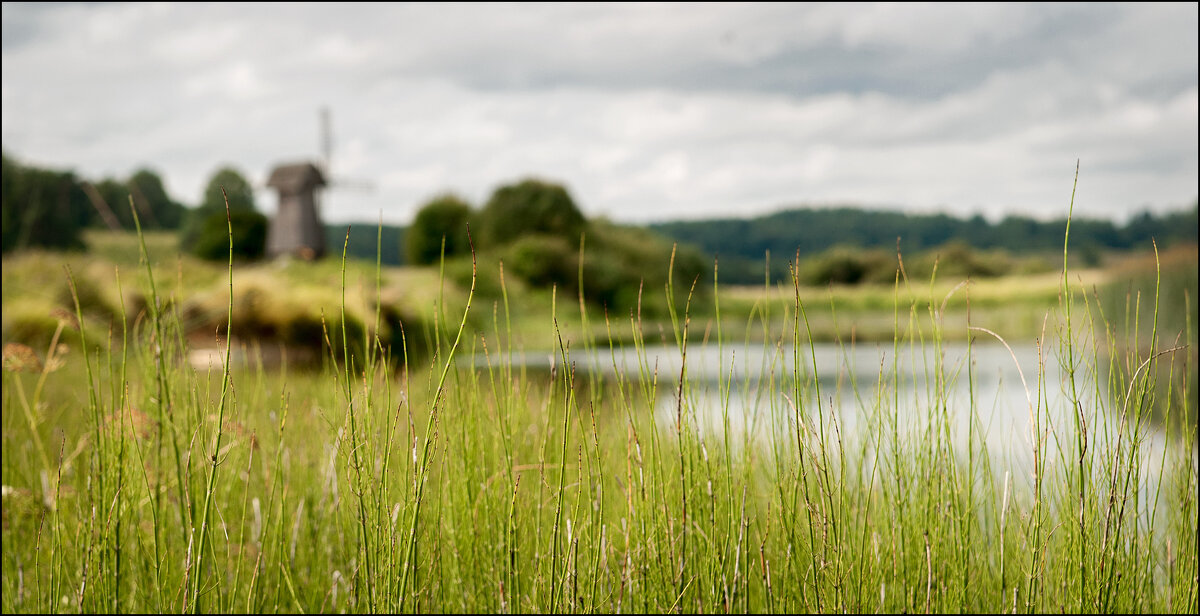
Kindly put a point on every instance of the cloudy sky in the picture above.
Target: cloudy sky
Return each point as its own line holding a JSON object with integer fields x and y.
{"x": 646, "y": 112}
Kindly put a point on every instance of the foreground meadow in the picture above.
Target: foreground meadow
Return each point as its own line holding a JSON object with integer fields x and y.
{"x": 430, "y": 470}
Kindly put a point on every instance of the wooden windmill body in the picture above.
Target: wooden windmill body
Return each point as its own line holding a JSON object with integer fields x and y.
{"x": 297, "y": 229}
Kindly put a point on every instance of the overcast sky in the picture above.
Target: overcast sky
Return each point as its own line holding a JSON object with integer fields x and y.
{"x": 646, "y": 112}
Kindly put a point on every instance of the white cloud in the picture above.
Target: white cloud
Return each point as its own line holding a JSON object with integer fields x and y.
{"x": 646, "y": 112}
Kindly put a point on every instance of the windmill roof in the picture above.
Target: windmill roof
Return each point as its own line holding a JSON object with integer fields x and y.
{"x": 296, "y": 176}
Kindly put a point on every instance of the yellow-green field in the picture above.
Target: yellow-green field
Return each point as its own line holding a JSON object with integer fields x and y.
{"x": 137, "y": 481}
{"x": 271, "y": 298}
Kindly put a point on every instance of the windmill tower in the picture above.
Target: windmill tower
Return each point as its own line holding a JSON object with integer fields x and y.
{"x": 297, "y": 229}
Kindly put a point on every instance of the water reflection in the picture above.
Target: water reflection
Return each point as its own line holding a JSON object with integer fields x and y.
{"x": 870, "y": 390}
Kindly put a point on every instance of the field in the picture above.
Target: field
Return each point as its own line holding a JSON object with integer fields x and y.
{"x": 376, "y": 470}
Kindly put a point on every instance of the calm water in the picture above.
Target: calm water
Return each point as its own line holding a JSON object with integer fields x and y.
{"x": 866, "y": 388}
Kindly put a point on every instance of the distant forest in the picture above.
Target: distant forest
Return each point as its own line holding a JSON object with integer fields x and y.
{"x": 364, "y": 239}
{"x": 742, "y": 243}
{"x": 50, "y": 208}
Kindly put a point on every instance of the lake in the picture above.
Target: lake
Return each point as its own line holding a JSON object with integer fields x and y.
{"x": 861, "y": 385}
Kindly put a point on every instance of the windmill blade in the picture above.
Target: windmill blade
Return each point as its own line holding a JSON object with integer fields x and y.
{"x": 326, "y": 136}
{"x": 352, "y": 184}
{"x": 326, "y": 141}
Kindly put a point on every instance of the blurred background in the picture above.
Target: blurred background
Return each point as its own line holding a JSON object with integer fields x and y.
{"x": 593, "y": 148}
{"x": 648, "y": 113}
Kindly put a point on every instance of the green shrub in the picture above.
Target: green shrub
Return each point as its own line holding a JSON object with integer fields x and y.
{"x": 444, "y": 217}
{"x": 958, "y": 260}
{"x": 91, "y": 298}
{"x": 847, "y": 265}
{"x": 1035, "y": 264}
{"x": 228, "y": 185}
{"x": 604, "y": 279}
{"x": 252, "y": 317}
{"x": 249, "y": 236}
{"x": 615, "y": 270}
{"x": 198, "y": 233}
{"x": 407, "y": 335}
{"x": 29, "y": 325}
{"x": 531, "y": 207}
{"x": 487, "y": 274}
{"x": 834, "y": 266}
{"x": 543, "y": 261}
{"x": 355, "y": 342}
{"x": 34, "y": 324}
{"x": 303, "y": 330}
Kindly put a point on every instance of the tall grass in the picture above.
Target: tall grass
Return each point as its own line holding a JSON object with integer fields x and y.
{"x": 376, "y": 485}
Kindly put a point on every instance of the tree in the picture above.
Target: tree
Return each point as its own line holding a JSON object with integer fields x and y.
{"x": 40, "y": 207}
{"x": 249, "y": 230}
{"x": 241, "y": 198}
{"x": 446, "y": 217}
{"x": 115, "y": 195}
{"x": 531, "y": 207}
{"x": 241, "y": 195}
{"x": 155, "y": 206}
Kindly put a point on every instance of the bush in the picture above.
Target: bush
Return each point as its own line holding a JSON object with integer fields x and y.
{"x": 252, "y": 317}
{"x": 531, "y": 207}
{"x": 249, "y": 236}
{"x": 303, "y": 329}
{"x": 609, "y": 281}
{"x": 354, "y": 341}
{"x": 543, "y": 261}
{"x": 29, "y": 324}
{"x": 228, "y": 182}
{"x": 614, "y": 271}
{"x": 407, "y": 335}
{"x": 846, "y": 265}
{"x": 536, "y": 229}
{"x": 958, "y": 260}
{"x": 487, "y": 275}
{"x": 91, "y": 298}
{"x": 444, "y": 217}
{"x": 834, "y": 266}
{"x": 197, "y": 235}
{"x": 34, "y": 323}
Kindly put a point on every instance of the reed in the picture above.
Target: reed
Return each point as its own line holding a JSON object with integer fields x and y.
{"x": 611, "y": 479}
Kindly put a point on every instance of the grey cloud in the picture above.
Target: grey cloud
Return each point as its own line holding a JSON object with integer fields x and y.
{"x": 646, "y": 111}
{"x": 16, "y": 32}
{"x": 797, "y": 61}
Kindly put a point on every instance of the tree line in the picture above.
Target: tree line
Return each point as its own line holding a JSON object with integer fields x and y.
{"x": 538, "y": 230}
{"x": 742, "y": 244}
{"x": 50, "y": 208}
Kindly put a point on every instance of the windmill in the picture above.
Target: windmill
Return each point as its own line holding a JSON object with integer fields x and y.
{"x": 297, "y": 229}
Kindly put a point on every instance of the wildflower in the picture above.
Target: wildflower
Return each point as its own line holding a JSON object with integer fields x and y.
{"x": 21, "y": 358}
{"x": 56, "y": 359}
{"x": 66, "y": 318}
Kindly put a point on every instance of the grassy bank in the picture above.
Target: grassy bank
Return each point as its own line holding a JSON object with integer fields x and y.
{"x": 135, "y": 482}
{"x": 283, "y": 304}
